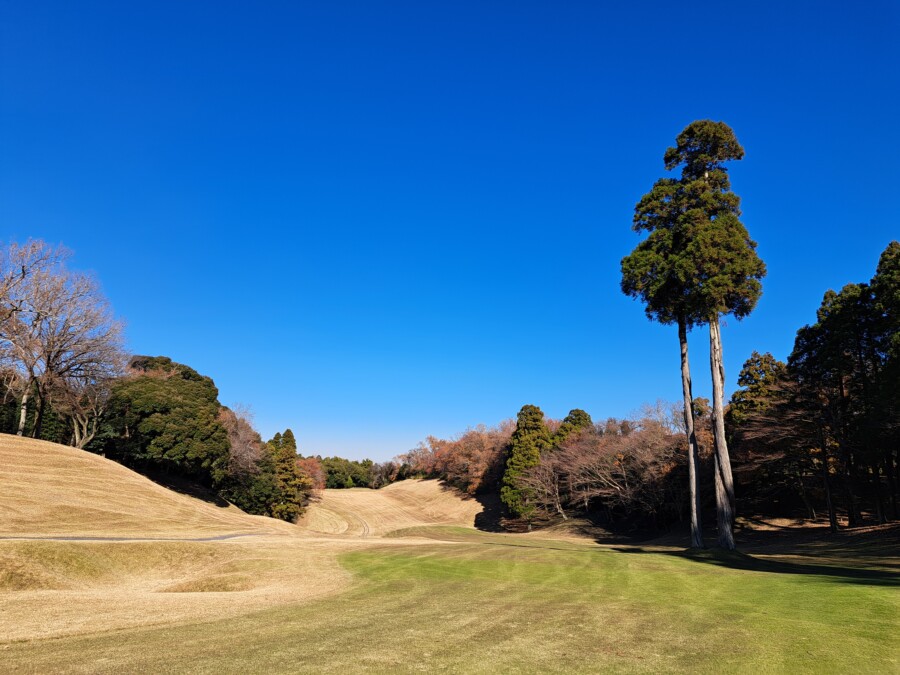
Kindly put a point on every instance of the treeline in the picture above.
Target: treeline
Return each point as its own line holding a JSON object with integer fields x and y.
{"x": 816, "y": 436}
{"x": 624, "y": 473}
{"x": 822, "y": 431}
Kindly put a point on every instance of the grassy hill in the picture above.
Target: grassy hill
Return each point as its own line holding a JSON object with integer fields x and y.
{"x": 54, "y": 490}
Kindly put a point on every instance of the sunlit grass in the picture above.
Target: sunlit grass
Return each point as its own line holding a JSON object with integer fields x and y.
{"x": 489, "y": 606}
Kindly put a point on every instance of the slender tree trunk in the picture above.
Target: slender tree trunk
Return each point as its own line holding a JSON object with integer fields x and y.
{"x": 829, "y": 502}
{"x": 724, "y": 480}
{"x": 559, "y": 508}
{"x": 853, "y": 515}
{"x": 810, "y": 509}
{"x": 39, "y": 415}
{"x": 23, "y": 411}
{"x": 879, "y": 498}
{"x": 892, "y": 488}
{"x": 693, "y": 455}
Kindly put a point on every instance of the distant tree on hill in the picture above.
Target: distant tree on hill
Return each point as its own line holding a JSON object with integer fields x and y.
{"x": 294, "y": 487}
{"x": 758, "y": 379}
{"x": 530, "y": 438}
{"x": 347, "y": 473}
{"x": 311, "y": 467}
{"x": 576, "y": 420}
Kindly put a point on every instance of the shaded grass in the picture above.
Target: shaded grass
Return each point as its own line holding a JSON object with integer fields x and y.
{"x": 494, "y": 604}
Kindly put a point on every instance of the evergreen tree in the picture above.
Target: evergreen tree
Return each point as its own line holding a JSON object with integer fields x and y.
{"x": 530, "y": 438}
{"x": 166, "y": 416}
{"x": 721, "y": 266}
{"x": 576, "y": 420}
{"x": 293, "y": 487}
{"x": 288, "y": 440}
{"x": 759, "y": 379}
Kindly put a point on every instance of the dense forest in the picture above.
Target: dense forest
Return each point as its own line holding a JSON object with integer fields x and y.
{"x": 815, "y": 436}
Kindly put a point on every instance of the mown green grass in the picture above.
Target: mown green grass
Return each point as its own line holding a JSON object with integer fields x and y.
{"x": 510, "y": 604}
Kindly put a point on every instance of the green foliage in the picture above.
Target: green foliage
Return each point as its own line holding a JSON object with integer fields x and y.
{"x": 826, "y": 426}
{"x": 530, "y": 438}
{"x": 277, "y": 487}
{"x": 255, "y": 492}
{"x": 576, "y": 420}
{"x": 698, "y": 259}
{"x": 293, "y": 487}
{"x": 347, "y": 473}
{"x": 759, "y": 379}
{"x": 165, "y": 415}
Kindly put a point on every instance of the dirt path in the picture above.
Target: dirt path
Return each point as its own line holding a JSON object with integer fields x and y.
{"x": 220, "y": 537}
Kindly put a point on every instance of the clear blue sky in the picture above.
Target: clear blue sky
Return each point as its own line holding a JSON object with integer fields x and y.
{"x": 374, "y": 221}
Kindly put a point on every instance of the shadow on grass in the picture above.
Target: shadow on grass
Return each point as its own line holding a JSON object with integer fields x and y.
{"x": 491, "y": 515}
{"x": 741, "y": 561}
{"x": 186, "y": 487}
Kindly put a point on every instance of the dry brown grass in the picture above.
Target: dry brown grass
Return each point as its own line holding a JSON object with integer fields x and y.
{"x": 53, "y": 587}
{"x": 363, "y": 513}
{"x": 54, "y": 490}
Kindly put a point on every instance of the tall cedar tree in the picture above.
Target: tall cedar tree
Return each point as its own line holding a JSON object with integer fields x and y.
{"x": 659, "y": 273}
{"x": 530, "y": 438}
{"x": 721, "y": 267}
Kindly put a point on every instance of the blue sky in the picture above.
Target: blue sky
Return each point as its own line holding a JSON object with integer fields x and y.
{"x": 374, "y": 221}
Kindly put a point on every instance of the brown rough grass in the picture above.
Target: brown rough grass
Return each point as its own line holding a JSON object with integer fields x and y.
{"x": 155, "y": 574}
{"x": 54, "y": 490}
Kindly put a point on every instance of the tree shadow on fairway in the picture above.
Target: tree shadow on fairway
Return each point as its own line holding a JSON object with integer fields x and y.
{"x": 742, "y": 561}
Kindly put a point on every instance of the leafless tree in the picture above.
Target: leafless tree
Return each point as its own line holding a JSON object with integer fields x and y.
{"x": 246, "y": 447}
{"x": 59, "y": 331}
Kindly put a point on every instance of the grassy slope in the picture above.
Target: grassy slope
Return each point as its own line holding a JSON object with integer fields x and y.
{"x": 442, "y": 598}
{"x": 53, "y": 490}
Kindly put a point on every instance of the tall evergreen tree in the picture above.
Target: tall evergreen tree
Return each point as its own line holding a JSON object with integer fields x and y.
{"x": 721, "y": 267}
{"x": 658, "y": 274}
{"x": 530, "y": 438}
{"x": 293, "y": 487}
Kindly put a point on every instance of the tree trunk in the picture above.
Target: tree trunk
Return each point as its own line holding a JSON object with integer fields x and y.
{"x": 693, "y": 456}
{"x": 39, "y": 415}
{"x": 810, "y": 509}
{"x": 724, "y": 480}
{"x": 829, "y": 502}
{"x": 853, "y": 514}
{"x": 23, "y": 411}
{"x": 892, "y": 488}
{"x": 879, "y": 498}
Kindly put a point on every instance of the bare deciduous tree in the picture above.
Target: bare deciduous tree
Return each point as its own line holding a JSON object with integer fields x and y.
{"x": 246, "y": 448}
{"x": 60, "y": 333}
